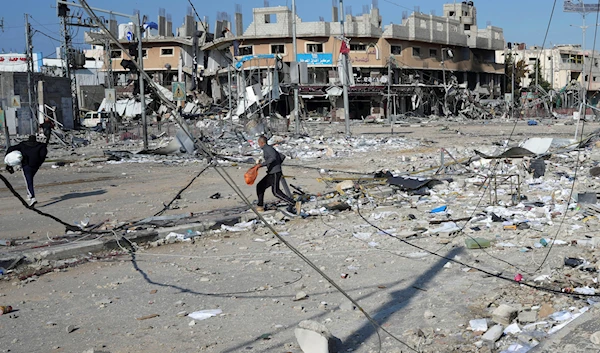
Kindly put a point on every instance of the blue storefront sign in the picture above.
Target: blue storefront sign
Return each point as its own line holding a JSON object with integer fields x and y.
{"x": 316, "y": 59}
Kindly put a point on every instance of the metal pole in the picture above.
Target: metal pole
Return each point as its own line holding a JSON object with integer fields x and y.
{"x": 68, "y": 71}
{"x": 29, "y": 73}
{"x": 389, "y": 89}
{"x": 141, "y": 79}
{"x": 230, "y": 96}
{"x": 108, "y": 60}
{"x": 582, "y": 107}
{"x": 295, "y": 45}
{"x": 512, "y": 90}
{"x": 346, "y": 74}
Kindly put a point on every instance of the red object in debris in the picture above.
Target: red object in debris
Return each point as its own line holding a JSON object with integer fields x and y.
{"x": 344, "y": 48}
{"x": 344, "y": 275}
{"x": 5, "y": 309}
{"x": 518, "y": 277}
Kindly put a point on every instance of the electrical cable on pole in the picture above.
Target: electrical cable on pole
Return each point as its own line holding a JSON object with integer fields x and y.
{"x": 141, "y": 80}
{"x": 33, "y": 126}
{"x": 295, "y": 45}
{"x": 67, "y": 57}
{"x": 345, "y": 74}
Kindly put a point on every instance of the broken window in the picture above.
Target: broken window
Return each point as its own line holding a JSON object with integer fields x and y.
{"x": 145, "y": 53}
{"x": 416, "y": 51}
{"x": 246, "y": 50}
{"x": 277, "y": 49}
{"x": 166, "y": 51}
{"x": 433, "y": 53}
{"x": 451, "y": 13}
{"x": 116, "y": 54}
{"x": 358, "y": 47}
{"x": 314, "y": 48}
{"x": 396, "y": 49}
{"x": 467, "y": 27}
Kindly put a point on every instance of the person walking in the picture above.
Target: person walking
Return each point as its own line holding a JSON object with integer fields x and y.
{"x": 34, "y": 154}
{"x": 47, "y": 127}
{"x": 273, "y": 161}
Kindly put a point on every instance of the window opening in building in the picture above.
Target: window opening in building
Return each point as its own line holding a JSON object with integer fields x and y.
{"x": 314, "y": 47}
{"x": 396, "y": 49}
{"x": 166, "y": 51}
{"x": 277, "y": 49}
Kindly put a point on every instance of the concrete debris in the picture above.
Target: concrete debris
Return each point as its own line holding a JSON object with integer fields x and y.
{"x": 493, "y": 334}
{"x": 504, "y": 314}
{"x": 314, "y": 337}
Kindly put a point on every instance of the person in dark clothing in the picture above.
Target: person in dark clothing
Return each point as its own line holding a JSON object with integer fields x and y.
{"x": 47, "y": 127}
{"x": 34, "y": 154}
{"x": 272, "y": 160}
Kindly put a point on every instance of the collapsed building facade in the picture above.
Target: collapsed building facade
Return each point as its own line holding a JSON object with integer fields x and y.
{"x": 418, "y": 63}
{"x": 566, "y": 68}
{"x": 427, "y": 64}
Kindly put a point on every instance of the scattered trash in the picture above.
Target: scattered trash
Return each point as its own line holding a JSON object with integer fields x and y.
{"x": 477, "y": 243}
{"x": 480, "y": 325}
{"x": 147, "y": 317}
{"x": 5, "y": 309}
{"x": 439, "y": 209}
{"x": 573, "y": 262}
{"x": 205, "y": 314}
{"x": 239, "y": 227}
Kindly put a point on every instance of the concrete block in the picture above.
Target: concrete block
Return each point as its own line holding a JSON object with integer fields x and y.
{"x": 527, "y": 316}
{"x": 314, "y": 337}
{"x": 493, "y": 334}
{"x": 504, "y": 314}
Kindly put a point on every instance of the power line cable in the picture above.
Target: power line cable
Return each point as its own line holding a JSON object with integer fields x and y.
{"x": 578, "y": 150}
{"x": 487, "y": 272}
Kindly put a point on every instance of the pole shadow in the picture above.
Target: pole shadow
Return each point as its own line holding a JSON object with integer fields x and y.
{"x": 400, "y": 299}
{"x": 73, "y": 195}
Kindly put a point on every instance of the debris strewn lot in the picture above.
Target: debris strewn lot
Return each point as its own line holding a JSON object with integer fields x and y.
{"x": 252, "y": 291}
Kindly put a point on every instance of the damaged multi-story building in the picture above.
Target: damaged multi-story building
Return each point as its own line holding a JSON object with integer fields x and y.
{"x": 566, "y": 69}
{"x": 415, "y": 65}
{"x": 408, "y": 62}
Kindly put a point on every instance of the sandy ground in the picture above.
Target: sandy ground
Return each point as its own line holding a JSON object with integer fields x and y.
{"x": 423, "y": 300}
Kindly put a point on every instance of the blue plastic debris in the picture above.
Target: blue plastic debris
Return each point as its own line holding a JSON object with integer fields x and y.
{"x": 532, "y": 122}
{"x": 439, "y": 209}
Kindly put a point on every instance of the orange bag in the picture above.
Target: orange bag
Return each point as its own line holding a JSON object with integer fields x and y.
{"x": 251, "y": 174}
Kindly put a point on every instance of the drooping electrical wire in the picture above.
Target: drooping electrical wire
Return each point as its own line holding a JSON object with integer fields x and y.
{"x": 578, "y": 150}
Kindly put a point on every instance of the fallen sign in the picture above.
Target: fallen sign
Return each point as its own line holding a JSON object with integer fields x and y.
{"x": 410, "y": 183}
{"x": 513, "y": 152}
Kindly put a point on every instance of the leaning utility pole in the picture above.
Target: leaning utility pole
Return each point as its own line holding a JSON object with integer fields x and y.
{"x": 346, "y": 80}
{"x": 30, "y": 88}
{"x": 294, "y": 44}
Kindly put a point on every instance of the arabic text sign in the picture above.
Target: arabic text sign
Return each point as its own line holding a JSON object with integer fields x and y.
{"x": 316, "y": 59}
